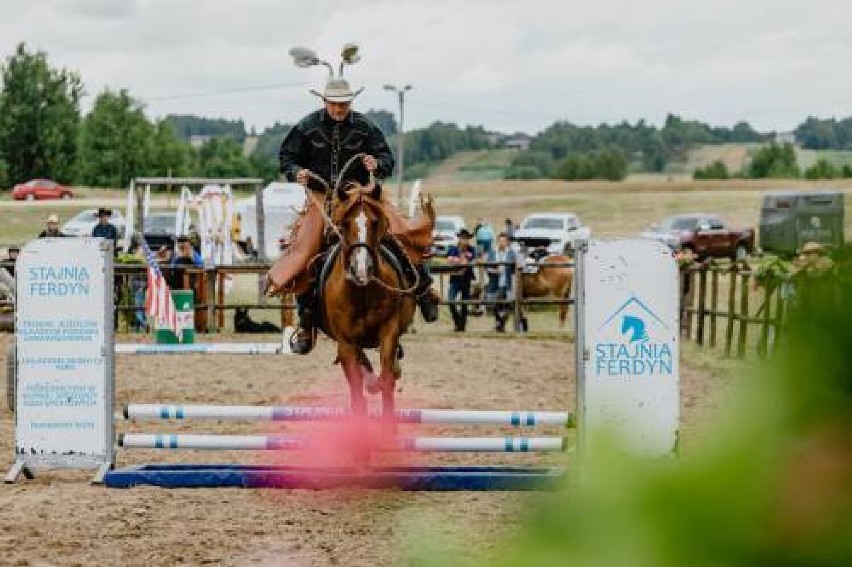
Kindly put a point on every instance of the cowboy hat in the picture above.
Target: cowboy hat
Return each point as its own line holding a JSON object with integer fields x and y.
{"x": 464, "y": 233}
{"x": 337, "y": 90}
{"x": 53, "y": 218}
{"x": 103, "y": 212}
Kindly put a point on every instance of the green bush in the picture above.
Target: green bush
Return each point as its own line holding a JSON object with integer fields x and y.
{"x": 609, "y": 164}
{"x": 822, "y": 169}
{"x": 774, "y": 161}
{"x": 715, "y": 170}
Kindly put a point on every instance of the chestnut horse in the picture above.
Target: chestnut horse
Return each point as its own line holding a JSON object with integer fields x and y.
{"x": 550, "y": 281}
{"x": 547, "y": 281}
{"x": 366, "y": 302}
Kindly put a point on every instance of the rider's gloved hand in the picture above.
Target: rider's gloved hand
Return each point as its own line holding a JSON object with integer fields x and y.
{"x": 303, "y": 176}
{"x": 370, "y": 163}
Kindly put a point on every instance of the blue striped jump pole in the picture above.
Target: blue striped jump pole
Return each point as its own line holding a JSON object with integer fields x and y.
{"x": 297, "y": 413}
{"x": 284, "y": 443}
{"x": 209, "y": 348}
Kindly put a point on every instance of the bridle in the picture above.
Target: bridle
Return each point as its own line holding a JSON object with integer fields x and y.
{"x": 349, "y": 248}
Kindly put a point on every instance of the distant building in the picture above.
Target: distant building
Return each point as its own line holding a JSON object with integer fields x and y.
{"x": 518, "y": 142}
{"x": 196, "y": 140}
{"x": 785, "y": 138}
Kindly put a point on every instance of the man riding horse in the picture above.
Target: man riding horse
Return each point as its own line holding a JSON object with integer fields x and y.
{"x": 319, "y": 147}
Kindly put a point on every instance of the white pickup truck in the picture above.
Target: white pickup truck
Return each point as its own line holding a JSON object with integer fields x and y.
{"x": 554, "y": 232}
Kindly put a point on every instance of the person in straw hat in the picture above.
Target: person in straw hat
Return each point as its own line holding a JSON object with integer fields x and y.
{"x": 811, "y": 261}
{"x": 320, "y": 145}
{"x": 52, "y": 228}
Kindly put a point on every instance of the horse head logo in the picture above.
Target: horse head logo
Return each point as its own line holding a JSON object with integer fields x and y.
{"x": 635, "y": 326}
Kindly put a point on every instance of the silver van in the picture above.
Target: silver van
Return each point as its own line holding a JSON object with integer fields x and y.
{"x": 788, "y": 219}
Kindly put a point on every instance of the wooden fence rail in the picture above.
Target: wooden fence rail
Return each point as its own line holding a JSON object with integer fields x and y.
{"x": 733, "y": 291}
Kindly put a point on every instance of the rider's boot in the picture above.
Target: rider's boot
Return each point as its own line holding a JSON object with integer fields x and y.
{"x": 427, "y": 299}
{"x": 304, "y": 337}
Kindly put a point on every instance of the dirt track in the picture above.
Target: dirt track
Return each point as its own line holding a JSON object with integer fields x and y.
{"x": 58, "y": 519}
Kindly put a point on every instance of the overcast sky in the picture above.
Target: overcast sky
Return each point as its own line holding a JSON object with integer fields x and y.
{"x": 508, "y": 65}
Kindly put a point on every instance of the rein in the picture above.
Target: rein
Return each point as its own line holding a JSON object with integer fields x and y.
{"x": 329, "y": 222}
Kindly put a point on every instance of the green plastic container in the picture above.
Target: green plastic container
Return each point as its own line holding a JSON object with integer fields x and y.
{"x": 185, "y": 306}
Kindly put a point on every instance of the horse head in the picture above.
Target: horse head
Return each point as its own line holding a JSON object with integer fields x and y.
{"x": 362, "y": 224}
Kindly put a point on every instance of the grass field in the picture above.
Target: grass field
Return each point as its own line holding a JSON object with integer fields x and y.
{"x": 610, "y": 209}
{"x": 838, "y": 158}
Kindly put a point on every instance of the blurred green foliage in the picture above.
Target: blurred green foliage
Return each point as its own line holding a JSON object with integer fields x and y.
{"x": 769, "y": 482}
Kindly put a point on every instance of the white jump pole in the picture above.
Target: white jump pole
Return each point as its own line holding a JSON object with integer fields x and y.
{"x": 210, "y": 348}
{"x": 297, "y": 413}
{"x": 286, "y": 443}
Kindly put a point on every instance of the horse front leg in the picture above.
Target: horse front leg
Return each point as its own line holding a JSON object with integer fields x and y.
{"x": 390, "y": 373}
{"x": 348, "y": 355}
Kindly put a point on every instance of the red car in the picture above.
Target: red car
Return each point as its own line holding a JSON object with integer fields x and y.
{"x": 41, "y": 189}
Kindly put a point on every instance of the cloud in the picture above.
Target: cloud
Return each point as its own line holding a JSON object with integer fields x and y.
{"x": 505, "y": 64}
{"x": 99, "y": 9}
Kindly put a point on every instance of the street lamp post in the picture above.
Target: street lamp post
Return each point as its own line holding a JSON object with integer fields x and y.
{"x": 400, "y": 136}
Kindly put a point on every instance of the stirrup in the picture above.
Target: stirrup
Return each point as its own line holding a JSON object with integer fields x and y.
{"x": 428, "y": 303}
{"x": 302, "y": 340}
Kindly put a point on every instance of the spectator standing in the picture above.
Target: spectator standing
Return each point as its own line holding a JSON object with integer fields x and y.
{"x": 509, "y": 229}
{"x": 52, "y": 228}
{"x": 7, "y": 273}
{"x": 500, "y": 279}
{"x": 484, "y": 236}
{"x": 462, "y": 255}
{"x": 11, "y": 258}
{"x": 104, "y": 228}
{"x": 185, "y": 255}
{"x": 237, "y": 227}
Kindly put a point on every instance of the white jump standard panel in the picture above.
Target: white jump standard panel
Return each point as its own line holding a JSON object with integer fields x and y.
{"x": 64, "y": 358}
{"x": 289, "y": 443}
{"x": 629, "y": 381}
{"x": 298, "y": 413}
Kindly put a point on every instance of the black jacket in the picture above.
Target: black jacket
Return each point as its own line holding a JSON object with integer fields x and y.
{"x": 323, "y": 146}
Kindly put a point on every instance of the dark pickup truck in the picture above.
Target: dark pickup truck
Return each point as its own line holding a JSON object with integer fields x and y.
{"x": 706, "y": 235}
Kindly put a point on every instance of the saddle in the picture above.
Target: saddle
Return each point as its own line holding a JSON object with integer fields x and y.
{"x": 290, "y": 274}
{"x": 321, "y": 269}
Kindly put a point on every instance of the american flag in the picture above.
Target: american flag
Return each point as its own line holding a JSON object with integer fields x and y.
{"x": 158, "y": 297}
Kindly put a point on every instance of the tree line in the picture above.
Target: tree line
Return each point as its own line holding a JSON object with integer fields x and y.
{"x": 568, "y": 151}
{"x": 43, "y": 133}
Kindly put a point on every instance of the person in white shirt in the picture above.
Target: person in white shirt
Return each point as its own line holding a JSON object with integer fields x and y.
{"x": 500, "y": 278}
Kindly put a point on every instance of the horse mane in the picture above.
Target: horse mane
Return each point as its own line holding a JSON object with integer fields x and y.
{"x": 347, "y": 195}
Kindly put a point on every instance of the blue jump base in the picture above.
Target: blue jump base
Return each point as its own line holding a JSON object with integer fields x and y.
{"x": 272, "y": 476}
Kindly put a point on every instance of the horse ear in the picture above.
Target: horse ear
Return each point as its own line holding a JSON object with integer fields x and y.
{"x": 376, "y": 193}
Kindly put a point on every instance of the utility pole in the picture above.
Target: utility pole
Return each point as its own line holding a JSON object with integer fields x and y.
{"x": 400, "y": 138}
